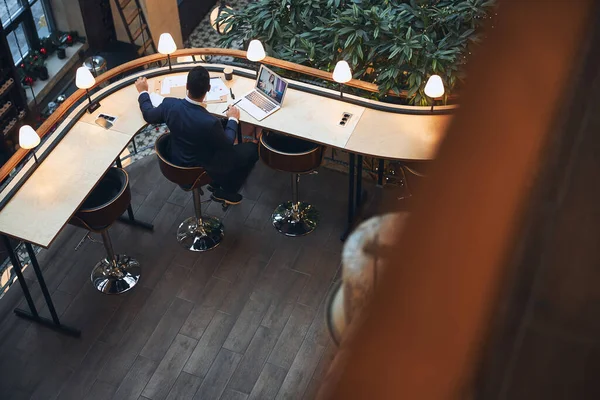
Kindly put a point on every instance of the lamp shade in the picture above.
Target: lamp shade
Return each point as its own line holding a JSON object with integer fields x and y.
{"x": 166, "y": 44}
{"x": 84, "y": 78}
{"x": 222, "y": 28}
{"x": 256, "y": 51}
{"x": 434, "y": 87}
{"x": 28, "y": 138}
{"x": 342, "y": 72}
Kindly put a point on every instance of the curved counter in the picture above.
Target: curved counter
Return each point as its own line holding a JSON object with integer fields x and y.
{"x": 309, "y": 112}
{"x": 41, "y": 200}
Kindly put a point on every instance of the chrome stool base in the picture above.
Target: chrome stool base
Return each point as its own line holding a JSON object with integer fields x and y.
{"x": 293, "y": 221}
{"x": 203, "y": 238}
{"x": 115, "y": 280}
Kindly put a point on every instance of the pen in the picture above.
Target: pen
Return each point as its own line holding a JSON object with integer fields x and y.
{"x": 225, "y": 110}
{"x": 232, "y": 95}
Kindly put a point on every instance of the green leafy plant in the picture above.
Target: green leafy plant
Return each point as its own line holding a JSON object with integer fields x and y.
{"x": 394, "y": 43}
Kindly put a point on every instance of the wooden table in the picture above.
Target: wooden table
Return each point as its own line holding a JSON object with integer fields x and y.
{"x": 46, "y": 201}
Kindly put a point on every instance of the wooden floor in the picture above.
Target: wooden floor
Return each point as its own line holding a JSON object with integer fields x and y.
{"x": 244, "y": 321}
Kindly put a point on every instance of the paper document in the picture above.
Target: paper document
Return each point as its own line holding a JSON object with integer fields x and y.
{"x": 156, "y": 99}
{"x": 172, "y": 82}
{"x": 218, "y": 91}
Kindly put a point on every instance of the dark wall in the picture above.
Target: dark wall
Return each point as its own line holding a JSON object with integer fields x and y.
{"x": 99, "y": 24}
{"x": 191, "y": 12}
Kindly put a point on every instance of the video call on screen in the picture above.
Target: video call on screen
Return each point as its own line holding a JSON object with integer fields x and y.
{"x": 271, "y": 85}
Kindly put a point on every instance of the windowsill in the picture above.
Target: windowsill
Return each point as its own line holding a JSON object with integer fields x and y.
{"x": 56, "y": 70}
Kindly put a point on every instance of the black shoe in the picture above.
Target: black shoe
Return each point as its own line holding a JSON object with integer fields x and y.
{"x": 212, "y": 187}
{"x": 224, "y": 197}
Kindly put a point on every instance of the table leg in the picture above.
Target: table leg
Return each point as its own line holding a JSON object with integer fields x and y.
{"x": 380, "y": 173}
{"x": 359, "y": 191}
{"x": 239, "y": 133}
{"x": 351, "y": 207}
{"x": 135, "y": 151}
{"x": 130, "y": 219}
{"x": 33, "y": 314}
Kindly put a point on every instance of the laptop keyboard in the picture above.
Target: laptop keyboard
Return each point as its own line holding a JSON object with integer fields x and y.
{"x": 260, "y": 102}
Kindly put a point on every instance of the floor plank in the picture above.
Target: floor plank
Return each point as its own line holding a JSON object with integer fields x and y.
{"x": 209, "y": 344}
{"x": 218, "y": 375}
{"x": 269, "y": 383}
{"x": 125, "y": 353}
{"x": 211, "y": 298}
{"x": 156, "y": 347}
{"x": 299, "y": 375}
{"x": 229, "y": 394}
{"x": 101, "y": 391}
{"x": 169, "y": 368}
{"x": 248, "y": 321}
{"x": 136, "y": 379}
{"x": 247, "y": 373}
{"x": 124, "y": 316}
{"x": 85, "y": 375}
{"x": 198, "y": 325}
{"x": 185, "y": 387}
{"x": 292, "y": 336}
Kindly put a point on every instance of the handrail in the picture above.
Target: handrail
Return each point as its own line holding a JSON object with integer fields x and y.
{"x": 66, "y": 105}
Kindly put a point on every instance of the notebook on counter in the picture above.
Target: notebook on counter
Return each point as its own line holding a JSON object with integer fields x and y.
{"x": 175, "y": 86}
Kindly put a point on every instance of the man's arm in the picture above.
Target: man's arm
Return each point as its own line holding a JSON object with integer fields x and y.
{"x": 152, "y": 115}
{"x": 231, "y": 129}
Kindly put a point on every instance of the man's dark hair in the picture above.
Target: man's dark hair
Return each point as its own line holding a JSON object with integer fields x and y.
{"x": 198, "y": 82}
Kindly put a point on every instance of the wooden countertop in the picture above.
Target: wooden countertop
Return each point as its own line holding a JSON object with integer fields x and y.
{"x": 54, "y": 192}
{"x": 50, "y": 197}
{"x": 398, "y": 136}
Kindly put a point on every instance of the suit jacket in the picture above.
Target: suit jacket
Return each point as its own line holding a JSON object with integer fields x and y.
{"x": 198, "y": 139}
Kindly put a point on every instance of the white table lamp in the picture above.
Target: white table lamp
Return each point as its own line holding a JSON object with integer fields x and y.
{"x": 166, "y": 45}
{"x": 342, "y": 74}
{"x": 434, "y": 88}
{"x": 29, "y": 139}
{"x": 256, "y": 51}
{"x": 85, "y": 80}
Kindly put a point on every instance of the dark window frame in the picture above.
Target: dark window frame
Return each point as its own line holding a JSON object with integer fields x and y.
{"x": 25, "y": 17}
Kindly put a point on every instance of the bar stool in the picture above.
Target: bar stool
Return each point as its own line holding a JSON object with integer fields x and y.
{"x": 197, "y": 233}
{"x": 116, "y": 273}
{"x": 289, "y": 154}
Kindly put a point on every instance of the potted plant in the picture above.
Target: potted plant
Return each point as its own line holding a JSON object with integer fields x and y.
{"x": 395, "y": 44}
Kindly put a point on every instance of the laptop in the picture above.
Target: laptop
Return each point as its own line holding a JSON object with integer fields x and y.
{"x": 267, "y": 95}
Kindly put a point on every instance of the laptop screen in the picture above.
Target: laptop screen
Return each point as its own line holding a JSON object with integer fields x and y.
{"x": 271, "y": 85}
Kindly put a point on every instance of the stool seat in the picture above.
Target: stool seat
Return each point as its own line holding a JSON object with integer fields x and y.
{"x": 105, "y": 204}
{"x": 188, "y": 178}
{"x": 298, "y": 156}
{"x": 288, "y": 144}
{"x": 289, "y": 154}
{"x": 197, "y": 233}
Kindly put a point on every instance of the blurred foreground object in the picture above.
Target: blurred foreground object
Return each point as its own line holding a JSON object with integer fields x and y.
{"x": 361, "y": 270}
{"x": 485, "y": 226}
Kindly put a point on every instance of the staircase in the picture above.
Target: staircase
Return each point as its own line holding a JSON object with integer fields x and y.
{"x": 136, "y": 26}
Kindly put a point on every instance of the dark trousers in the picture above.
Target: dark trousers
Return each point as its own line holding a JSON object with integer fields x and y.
{"x": 244, "y": 156}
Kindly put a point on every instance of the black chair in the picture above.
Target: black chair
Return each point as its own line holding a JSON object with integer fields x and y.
{"x": 289, "y": 154}
{"x": 197, "y": 233}
{"x": 108, "y": 201}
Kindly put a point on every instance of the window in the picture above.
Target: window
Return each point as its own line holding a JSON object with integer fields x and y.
{"x": 25, "y": 22}
{"x": 18, "y": 43}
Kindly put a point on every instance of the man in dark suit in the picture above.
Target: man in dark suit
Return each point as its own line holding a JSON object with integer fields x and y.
{"x": 198, "y": 139}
